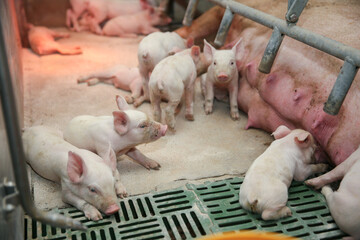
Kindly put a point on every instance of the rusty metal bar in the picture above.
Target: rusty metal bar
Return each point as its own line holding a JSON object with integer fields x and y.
{"x": 224, "y": 27}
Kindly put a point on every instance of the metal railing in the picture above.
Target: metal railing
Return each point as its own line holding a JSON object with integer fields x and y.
{"x": 288, "y": 27}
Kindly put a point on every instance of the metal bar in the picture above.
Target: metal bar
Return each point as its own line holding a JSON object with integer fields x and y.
{"x": 16, "y": 149}
{"x": 224, "y": 27}
{"x": 190, "y": 12}
{"x": 315, "y": 40}
{"x": 341, "y": 87}
{"x": 295, "y": 9}
{"x": 271, "y": 51}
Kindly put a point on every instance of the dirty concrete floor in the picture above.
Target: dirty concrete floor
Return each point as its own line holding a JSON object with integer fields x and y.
{"x": 211, "y": 146}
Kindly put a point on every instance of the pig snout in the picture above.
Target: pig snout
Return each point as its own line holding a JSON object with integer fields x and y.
{"x": 112, "y": 209}
{"x": 223, "y": 77}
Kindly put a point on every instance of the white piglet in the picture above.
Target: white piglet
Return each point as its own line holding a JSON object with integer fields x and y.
{"x": 223, "y": 75}
{"x": 266, "y": 183}
{"x": 344, "y": 203}
{"x": 87, "y": 181}
{"x": 124, "y": 130}
{"x": 152, "y": 49}
{"x": 171, "y": 78}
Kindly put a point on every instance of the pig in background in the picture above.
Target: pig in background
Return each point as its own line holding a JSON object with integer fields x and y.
{"x": 344, "y": 203}
{"x": 222, "y": 76}
{"x": 173, "y": 77}
{"x": 120, "y": 76}
{"x": 266, "y": 183}
{"x": 152, "y": 49}
{"x": 87, "y": 181}
{"x": 42, "y": 41}
{"x": 124, "y": 130}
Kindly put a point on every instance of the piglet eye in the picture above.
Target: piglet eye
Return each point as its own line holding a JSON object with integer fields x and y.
{"x": 144, "y": 125}
{"x": 232, "y": 63}
{"x": 214, "y": 63}
{"x": 92, "y": 189}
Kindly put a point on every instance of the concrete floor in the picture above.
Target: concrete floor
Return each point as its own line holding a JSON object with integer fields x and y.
{"x": 211, "y": 146}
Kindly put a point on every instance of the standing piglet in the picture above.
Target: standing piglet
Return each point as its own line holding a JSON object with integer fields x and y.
{"x": 139, "y": 23}
{"x": 124, "y": 130}
{"x": 42, "y": 41}
{"x": 344, "y": 204}
{"x": 120, "y": 76}
{"x": 223, "y": 75}
{"x": 266, "y": 183}
{"x": 87, "y": 181}
{"x": 152, "y": 49}
{"x": 170, "y": 78}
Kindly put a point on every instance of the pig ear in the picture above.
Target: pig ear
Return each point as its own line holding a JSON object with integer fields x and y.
{"x": 239, "y": 49}
{"x": 189, "y": 42}
{"x": 110, "y": 158}
{"x": 281, "y": 132}
{"x": 76, "y": 168}
{"x": 208, "y": 51}
{"x": 121, "y": 122}
{"x": 121, "y": 103}
{"x": 303, "y": 139}
{"x": 195, "y": 51}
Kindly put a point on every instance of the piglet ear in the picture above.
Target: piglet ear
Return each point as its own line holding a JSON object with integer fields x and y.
{"x": 208, "y": 51}
{"x": 110, "y": 158}
{"x": 281, "y": 132}
{"x": 239, "y": 49}
{"x": 121, "y": 103}
{"x": 121, "y": 122}
{"x": 195, "y": 51}
{"x": 189, "y": 42}
{"x": 303, "y": 139}
{"x": 76, "y": 168}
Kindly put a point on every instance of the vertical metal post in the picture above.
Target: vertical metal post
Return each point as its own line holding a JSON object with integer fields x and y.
{"x": 271, "y": 51}
{"x": 224, "y": 27}
{"x": 190, "y": 12}
{"x": 341, "y": 87}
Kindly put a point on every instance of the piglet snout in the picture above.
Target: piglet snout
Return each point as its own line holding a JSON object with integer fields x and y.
{"x": 163, "y": 129}
{"x": 223, "y": 77}
{"x": 112, "y": 209}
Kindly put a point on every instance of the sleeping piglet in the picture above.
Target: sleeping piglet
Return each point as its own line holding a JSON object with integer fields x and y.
{"x": 124, "y": 130}
{"x": 344, "y": 203}
{"x": 266, "y": 183}
{"x": 87, "y": 181}
{"x": 222, "y": 75}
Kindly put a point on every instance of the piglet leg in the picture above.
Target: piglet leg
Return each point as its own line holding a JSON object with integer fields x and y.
{"x": 209, "y": 97}
{"x": 189, "y": 100}
{"x": 233, "y": 92}
{"x": 89, "y": 210}
{"x": 272, "y": 214}
{"x": 68, "y": 50}
{"x": 141, "y": 159}
{"x": 119, "y": 187}
{"x": 307, "y": 170}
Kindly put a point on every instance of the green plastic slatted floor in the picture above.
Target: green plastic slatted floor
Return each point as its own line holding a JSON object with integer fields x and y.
{"x": 194, "y": 211}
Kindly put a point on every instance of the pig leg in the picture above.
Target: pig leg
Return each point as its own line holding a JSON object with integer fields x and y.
{"x": 71, "y": 19}
{"x": 189, "y": 102}
{"x": 136, "y": 89}
{"x": 303, "y": 172}
{"x": 170, "y": 113}
{"x": 60, "y": 34}
{"x": 145, "y": 82}
{"x": 89, "y": 210}
{"x": 94, "y": 26}
{"x": 273, "y": 214}
{"x": 233, "y": 92}
{"x": 155, "y": 103}
{"x": 119, "y": 187}
{"x": 68, "y": 50}
{"x": 141, "y": 159}
{"x": 209, "y": 97}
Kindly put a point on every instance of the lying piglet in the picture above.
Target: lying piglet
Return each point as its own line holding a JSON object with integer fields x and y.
{"x": 138, "y": 23}
{"x": 223, "y": 75}
{"x": 265, "y": 187}
{"x": 172, "y": 77}
{"x": 152, "y": 49}
{"x": 42, "y": 41}
{"x": 124, "y": 130}
{"x": 120, "y": 76}
{"x": 344, "y": 204}
{"x": 87, "y": 181}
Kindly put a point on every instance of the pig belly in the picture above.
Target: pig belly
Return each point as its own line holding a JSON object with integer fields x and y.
{"x": 301, "y": 78}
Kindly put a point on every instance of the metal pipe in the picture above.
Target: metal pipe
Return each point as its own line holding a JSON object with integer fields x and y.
{"x": 295, "y": 8}
{"x": 271, "y": 51}
{"x": 341, "y": 87}
{"x": 224, "y": 27}
{"x": 11, "y": 120}
{"x": 190, "y": 12}
{"x": 315, "y": 40}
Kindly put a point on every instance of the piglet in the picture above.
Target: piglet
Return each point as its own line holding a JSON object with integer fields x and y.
{"x": 266, "y": 183}
{"x": 120, "y": 76}
{"x": 172, "y": 77}
{"x": 152, "y": 49}
{"x": 223, "y": 75}
{"x": 87, "y": 181}
{"x": 124, "y": 130}
{"x": 139, "y": 23}
{"x": 344, "y": 204}
{"x": 42, "y": 41}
